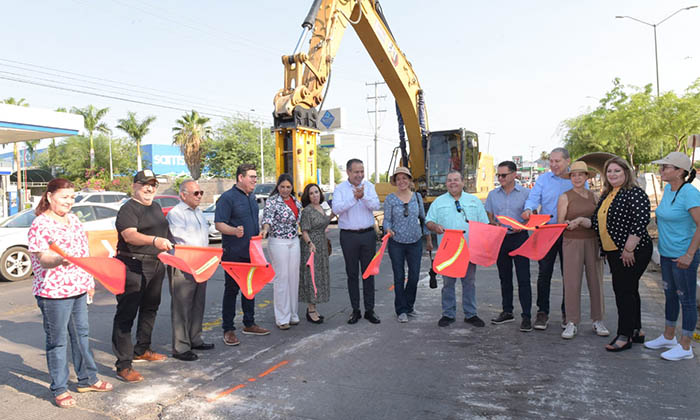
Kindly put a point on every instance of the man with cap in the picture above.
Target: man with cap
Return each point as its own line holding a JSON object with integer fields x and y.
{"x": 142, "y": 234}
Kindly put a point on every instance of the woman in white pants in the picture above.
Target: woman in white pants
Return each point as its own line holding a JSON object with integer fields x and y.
{"x": 281, "y": 224}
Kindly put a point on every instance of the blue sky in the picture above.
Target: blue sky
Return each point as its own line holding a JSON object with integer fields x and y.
{"x": 513, "y": 68}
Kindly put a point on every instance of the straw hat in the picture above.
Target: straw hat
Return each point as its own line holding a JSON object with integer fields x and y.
{"x": 578, "y": 166}
{"x": 677, "y": 159}
{"x": 400, "y": 170}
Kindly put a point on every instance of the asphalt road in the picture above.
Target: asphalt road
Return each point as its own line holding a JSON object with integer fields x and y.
{"x": 339, "y": 371}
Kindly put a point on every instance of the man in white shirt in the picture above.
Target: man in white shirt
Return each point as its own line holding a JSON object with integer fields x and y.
{"x": 188, "y": 226}
{"x": 354, "y": 201}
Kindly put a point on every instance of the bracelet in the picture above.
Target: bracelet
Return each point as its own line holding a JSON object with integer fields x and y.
{"x": 154, "y": 240}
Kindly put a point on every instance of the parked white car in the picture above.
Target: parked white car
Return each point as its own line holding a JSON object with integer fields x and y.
{"x": 108, "y": 197}
{"x": 14, "y": 257}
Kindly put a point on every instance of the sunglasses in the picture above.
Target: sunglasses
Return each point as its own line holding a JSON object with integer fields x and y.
{"x": 152, "y": 184}
{"x": 198, "y": 193}
{"x": 405, "y": 209}
{"x": 503, "y": 175}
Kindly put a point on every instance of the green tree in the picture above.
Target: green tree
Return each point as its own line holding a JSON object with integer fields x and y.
{"x": 324, "y": 162}
{"x": 91, "y": 121}
{"x": 136, "y": 131}
{"x": 190, "y": 134}
{"x": 236, "y": 142}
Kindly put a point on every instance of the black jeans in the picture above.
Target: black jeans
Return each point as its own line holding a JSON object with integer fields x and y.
{"x": 144, "y": 282}
{"x": 544, "y": 277}
{"x": 625, "y": 281}
{"x": 228, "y": 307}
{"x": 522, "y": 271}
{"x": 358, "y": 251}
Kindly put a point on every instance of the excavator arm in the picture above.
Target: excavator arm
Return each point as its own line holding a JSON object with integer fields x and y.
{"x": 307, "y": 74}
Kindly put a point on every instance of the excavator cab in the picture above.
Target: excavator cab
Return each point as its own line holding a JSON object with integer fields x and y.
{"x": 447, "y": 151}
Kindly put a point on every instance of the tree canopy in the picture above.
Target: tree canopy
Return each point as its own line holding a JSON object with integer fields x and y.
{"x": 236, "y": 142}
{"x": 190, "y": 134}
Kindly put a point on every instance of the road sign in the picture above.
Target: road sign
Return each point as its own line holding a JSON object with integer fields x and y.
{"x": 331, "y": 119}
{"x": 518, "y": 160}
{"x": 327, "y": 140}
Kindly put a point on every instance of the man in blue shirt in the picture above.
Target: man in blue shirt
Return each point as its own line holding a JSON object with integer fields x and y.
{"x": 236, "y": 218}
{"x": 453, "y": 210}
{"x": 545, "y": 193}
{"x": 509, "y": 200}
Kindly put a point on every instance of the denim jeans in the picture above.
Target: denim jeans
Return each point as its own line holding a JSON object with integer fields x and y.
{"x": 64, "y": 318}
{"x": 405, "y": 297}
{"x": 680, "y": 290}
{"x": 544, "y": 276}
{"x": 522, "y": 271}
{"x": 449, "y": 300}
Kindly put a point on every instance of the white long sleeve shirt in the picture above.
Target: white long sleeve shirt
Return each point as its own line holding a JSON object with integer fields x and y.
{"x": 355, "y": 214}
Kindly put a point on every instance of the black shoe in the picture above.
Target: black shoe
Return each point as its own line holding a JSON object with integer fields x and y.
{"x": 475, "y": 321}
{"x": 445, "y": 321}
{"x": 308, "y": 317}
{"x": 204, "y": 346}
{"x": 526, "y": 325}
{"x": 614, "y": 347}
{"x": 502, "y": 318}
{"x": 354, "y": 317}
{"x": 372, "y": 317}
{"x": 187, "y": 356}
{"x": 638, "y": 338}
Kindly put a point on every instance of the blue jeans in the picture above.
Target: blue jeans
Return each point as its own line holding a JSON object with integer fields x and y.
{"x": 522, "y": 270}
{"x": 680, "y": 290}
{"x": 405, "y": 297}
{"x": 449, "y": 300}
{"x": 64, "y": 318}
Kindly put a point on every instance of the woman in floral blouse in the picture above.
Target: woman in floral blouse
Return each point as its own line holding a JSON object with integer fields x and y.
{"x": 280, "y": 222}
{"x": 61, "y": 290}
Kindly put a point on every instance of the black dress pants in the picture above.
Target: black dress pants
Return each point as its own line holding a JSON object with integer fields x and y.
{"x": 358, "y": 250}
{"x": 625, "y": 281}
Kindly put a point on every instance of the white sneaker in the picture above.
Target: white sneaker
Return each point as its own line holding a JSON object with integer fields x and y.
{"x": 600, "y": 329}
{"x": 570, "y": 331}
{"x": 661, "y": 342}
{"x": 677, "y": 352}
{"x": 403, "y": 318}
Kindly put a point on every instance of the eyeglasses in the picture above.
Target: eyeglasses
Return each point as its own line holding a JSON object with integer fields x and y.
{"x": 503, "y": 175}
{"x": 405, "y": 209}
{"x": 198, "y": 193}
{"x": 150, "y": 184}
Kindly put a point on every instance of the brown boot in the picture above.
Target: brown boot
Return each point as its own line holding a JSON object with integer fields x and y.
{"x": 129, "y": 375}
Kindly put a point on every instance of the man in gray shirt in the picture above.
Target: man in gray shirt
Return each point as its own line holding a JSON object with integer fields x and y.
{"x": 509, "y": 200}
{"x": 188, "y": 226}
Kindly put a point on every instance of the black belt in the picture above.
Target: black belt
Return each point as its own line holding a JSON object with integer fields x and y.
{"x": 369, "y": 229}
{"x": 138, "y": 256}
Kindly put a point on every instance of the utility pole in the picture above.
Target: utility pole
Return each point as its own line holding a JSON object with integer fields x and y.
{"x": 376, "y": 126}
{"x": 488, "y": 146}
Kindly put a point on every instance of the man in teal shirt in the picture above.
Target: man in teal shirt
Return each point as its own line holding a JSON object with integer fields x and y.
{"x": 453, "y": 210}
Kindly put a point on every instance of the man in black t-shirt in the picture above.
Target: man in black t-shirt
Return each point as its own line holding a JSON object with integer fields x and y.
{"x": 143, "y": 234}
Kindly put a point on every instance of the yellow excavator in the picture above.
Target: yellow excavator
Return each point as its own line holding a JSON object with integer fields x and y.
{"x": 306, "y": 75}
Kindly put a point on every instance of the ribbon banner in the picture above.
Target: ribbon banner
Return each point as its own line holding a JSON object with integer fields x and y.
{"x": 373, "y": 267}
{"x": 485, "y": 243}
{"x": 109, "y": 271}
{"x": 200, "y": 262}
{"x": 102, "y": 243}
{"x": 452, "y": 257}
{"x": 533, "y": 222}
{"x": 251, "y": 277}
{"x": 540, "y": 242}
{"x": 310, "y": 264}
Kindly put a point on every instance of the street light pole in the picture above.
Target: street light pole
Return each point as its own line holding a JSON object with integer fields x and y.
{"x": 262, "y": 157}
{"x": 656, "y": 50}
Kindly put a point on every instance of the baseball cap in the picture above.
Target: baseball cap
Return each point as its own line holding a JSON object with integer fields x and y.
{"x": 144, "y": 176}
{"x": 677, "y": 159}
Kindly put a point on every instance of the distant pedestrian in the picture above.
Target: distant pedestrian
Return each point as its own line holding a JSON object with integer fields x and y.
{"x": 281, "y": 222}
{"x": 313, "y": 224}
{"x": 545, "y": 194}
{"x": 354, "y": 202}
{"x": 236, "y": 217}
{"x": 580, "y": 249}
{"x": 61, "y": 290}
{"x": 678, "y": 220}
{"x": 143, "y": 234}
{"x": 404, "y": 220}
{"x": 509, "y": 200}
{"x": 621, "y": 220}
{"x": 454, "y": 210}
{"x": 188, "y": 227}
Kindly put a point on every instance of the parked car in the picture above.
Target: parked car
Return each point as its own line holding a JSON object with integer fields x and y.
{"x": 209, "y": 212}
{"x": 263, "y": 190}
{"x": 14, "y": 257}
{"x": 99, "y": 197}
{"x": 166, "y": 202}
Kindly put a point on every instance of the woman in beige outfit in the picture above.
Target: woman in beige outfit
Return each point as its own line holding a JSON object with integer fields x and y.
{"x": 580, "y": 248}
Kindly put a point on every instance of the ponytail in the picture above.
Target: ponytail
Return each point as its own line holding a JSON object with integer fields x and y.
{"x": 687, "y": 179}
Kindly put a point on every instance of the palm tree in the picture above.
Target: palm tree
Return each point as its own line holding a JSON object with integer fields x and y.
{"x": 91, "y": 118}
{"x": 137, "y": 131}
{"x": 190, "y": 133}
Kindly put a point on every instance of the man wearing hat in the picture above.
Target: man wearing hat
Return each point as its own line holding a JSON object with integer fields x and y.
{"x": 142, "y": 234}
{"x": 509, "y": 200}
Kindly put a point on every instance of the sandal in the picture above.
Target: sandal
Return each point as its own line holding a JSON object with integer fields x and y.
{"x": 65, "y": 400}
{"x": 315, "y": 321}
{"x": 99, "y": 386}
{"x": 638, "y": 337}
{"x": 614, "y": 347}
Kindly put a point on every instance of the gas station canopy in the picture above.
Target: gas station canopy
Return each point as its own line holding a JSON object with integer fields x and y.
{"x": 19, "y": 124}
